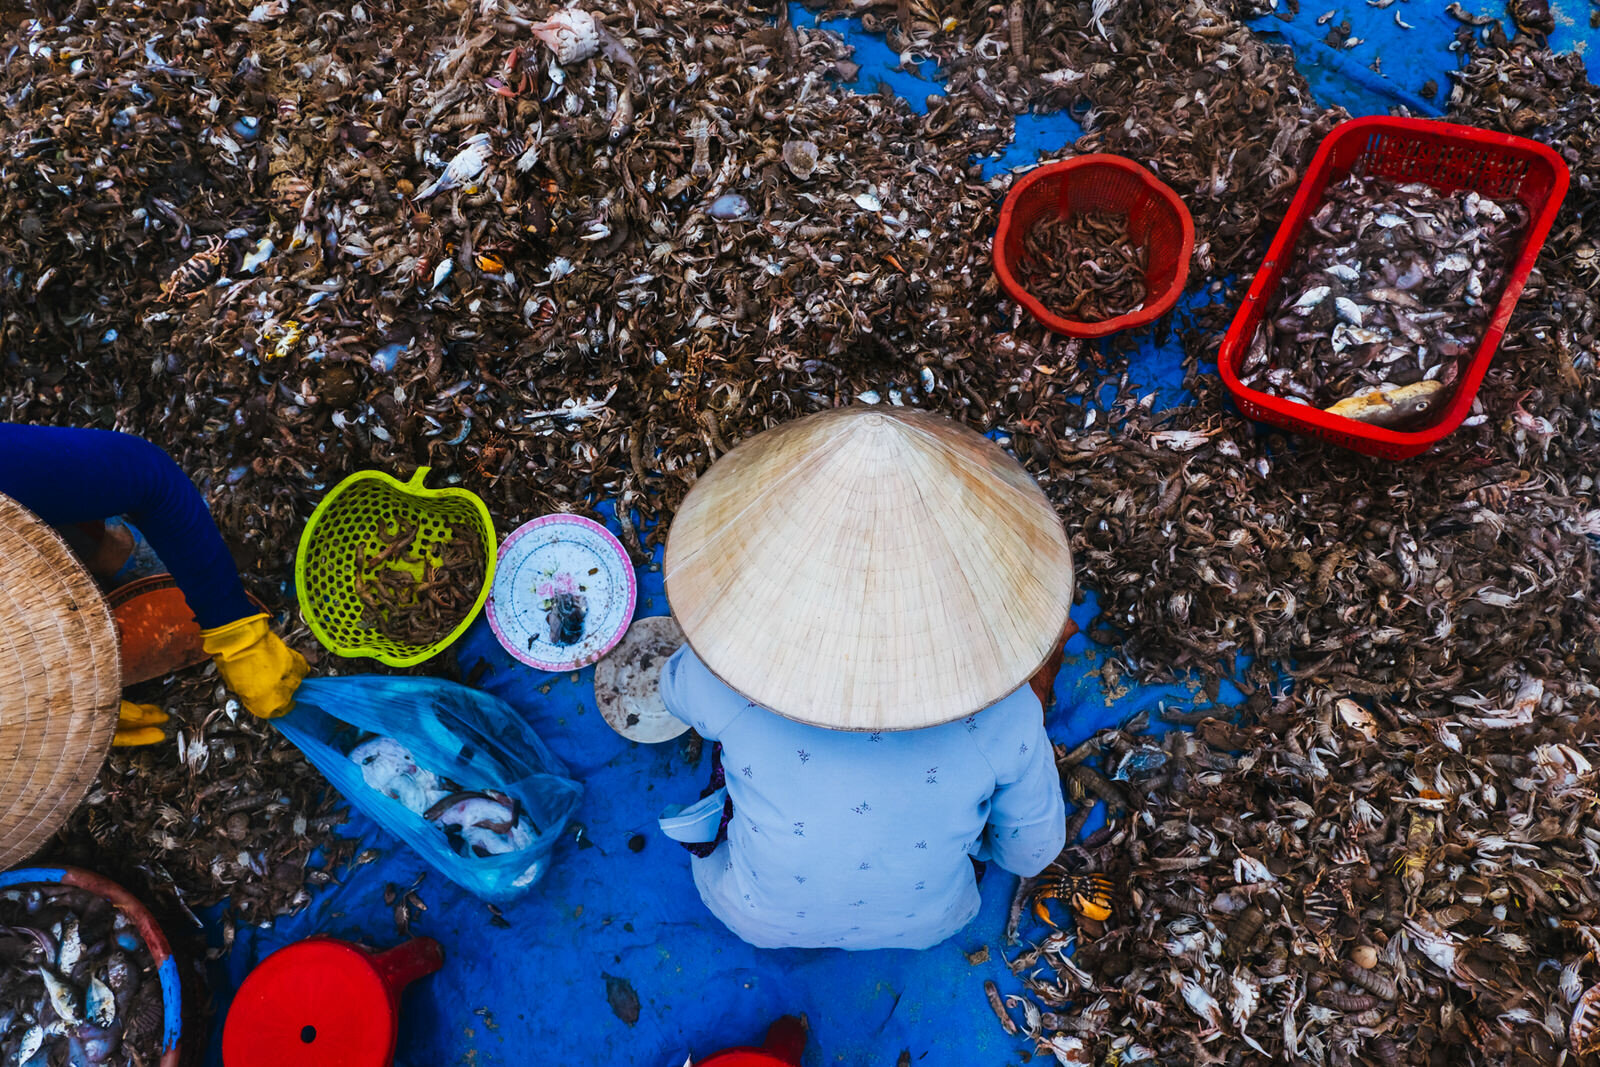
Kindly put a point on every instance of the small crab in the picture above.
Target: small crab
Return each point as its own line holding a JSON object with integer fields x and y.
{"x": 197, "y": 272}
{"x": 1532, "y": 16}
{"x": 1088, "y": 894}
{"x": 1587, "y": 258}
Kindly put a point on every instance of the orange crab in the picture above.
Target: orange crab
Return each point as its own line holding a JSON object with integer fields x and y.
{"x": 1089, "y": 895}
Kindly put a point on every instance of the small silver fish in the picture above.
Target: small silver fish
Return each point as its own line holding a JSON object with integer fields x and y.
{"x": 1393, "y": 297}
{"x": 1390, "y": 408}
{"x": 1348, "y": 310}
{"x": 1346, "y": 336}
{"x": 63, "y": 998}
{"x": 32, "y": 1042}
{"x": 1312, "y": 297}
{"x": 99, "y": 1004}
{"x": 71, "y": 946}
{"x": 1413, "y": 332}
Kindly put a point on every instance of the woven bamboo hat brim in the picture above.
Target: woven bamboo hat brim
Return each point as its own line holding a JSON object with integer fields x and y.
{"x": 862, "y": 569}
{"x": 60, "y": 682}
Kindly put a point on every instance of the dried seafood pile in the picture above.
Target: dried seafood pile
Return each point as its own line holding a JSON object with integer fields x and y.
{"x": 440, "y": 245}
{"x": 77, "y": 984}
{"x": 226, "y": 811}
{"x": 298, "y": 240}
{"x": 1390, "y": 286}
{"x": 1083, "y": 267}
{"x": 418, "y": 607}
{"x": 1341, "y": 883}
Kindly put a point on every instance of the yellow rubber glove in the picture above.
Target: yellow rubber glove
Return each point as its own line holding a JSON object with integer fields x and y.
{"x": 257, "y": 665}
{"x": 139, "y": 724}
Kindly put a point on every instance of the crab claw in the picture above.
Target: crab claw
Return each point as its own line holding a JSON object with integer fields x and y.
{"x": 1043, "y": 912}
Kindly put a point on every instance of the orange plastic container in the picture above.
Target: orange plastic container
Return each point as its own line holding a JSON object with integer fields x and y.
{"x": 1156, "y": 219}
{"x": 1450, "y": 158}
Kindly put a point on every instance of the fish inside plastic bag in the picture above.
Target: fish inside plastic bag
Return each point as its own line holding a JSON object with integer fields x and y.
{"x": 455, "y": 773}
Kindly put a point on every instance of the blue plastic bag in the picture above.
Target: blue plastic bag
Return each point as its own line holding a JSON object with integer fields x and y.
{"x": 475, "y": 739}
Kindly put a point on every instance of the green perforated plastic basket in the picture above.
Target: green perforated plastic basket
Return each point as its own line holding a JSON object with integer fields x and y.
{"x": 343, "y": 534}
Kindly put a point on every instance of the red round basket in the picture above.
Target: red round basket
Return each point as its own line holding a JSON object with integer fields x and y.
{"x": 1157, "y": 219}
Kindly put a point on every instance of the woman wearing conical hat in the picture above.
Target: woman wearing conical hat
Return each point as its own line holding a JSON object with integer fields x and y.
{"x": 865, "y": 594}
{"x": 60, "y": 666}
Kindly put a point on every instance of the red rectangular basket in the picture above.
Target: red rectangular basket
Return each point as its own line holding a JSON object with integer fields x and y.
{"x": 1450, "y": 158}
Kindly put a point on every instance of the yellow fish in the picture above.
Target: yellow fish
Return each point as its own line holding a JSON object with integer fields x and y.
{"x": 1391, "y": 408}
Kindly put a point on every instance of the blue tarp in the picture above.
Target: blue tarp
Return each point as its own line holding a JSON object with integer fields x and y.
{"x": 534, "y": 991}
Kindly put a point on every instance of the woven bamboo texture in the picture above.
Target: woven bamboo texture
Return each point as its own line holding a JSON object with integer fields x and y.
{"x": 862, "y": 569}
{"x": 60, "y": 682}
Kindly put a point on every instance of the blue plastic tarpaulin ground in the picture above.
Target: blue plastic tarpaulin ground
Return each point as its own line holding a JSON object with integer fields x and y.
{"x": 534, "y": 992}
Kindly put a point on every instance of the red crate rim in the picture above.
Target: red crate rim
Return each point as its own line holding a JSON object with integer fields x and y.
{"x": 1072, "y": 328}
{"x": 1305, "y": 418}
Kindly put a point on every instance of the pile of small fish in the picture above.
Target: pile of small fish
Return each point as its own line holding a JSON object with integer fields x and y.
{"x": 1083, "y": 267}
{"x": 477, "y": 823}
{"x": 418, "y": 594}
{"x": 77, "y": 984}
{"x": 1389, "y": 290}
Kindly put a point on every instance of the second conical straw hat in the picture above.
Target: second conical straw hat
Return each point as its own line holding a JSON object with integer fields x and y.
{"x": 60, "y": 680}
{"x": 863, "y": 569}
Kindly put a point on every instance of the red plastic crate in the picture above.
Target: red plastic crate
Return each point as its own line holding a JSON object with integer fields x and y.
{"x": 1450, "y": 158}
{"x": 1156, "y": 218}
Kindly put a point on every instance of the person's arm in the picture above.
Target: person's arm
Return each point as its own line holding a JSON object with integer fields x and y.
{"x": 67, "y": 476}
{"x": 1027, "y": 825}
{"x": 695, "y": 696}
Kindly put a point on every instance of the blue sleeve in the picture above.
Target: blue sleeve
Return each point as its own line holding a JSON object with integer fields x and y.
{"x": 68, "y": 476}
{"x": 1027, "y": 826}
{"x": 696, "y": 696}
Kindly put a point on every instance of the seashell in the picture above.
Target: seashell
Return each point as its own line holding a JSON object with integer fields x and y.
{"x": 729, "y": 207}
{"x": 1357, "y": 718}
{"x": 257, "y": 256}
{"x": 1583, "y": 1036}
{"x": 571, "y": 33}
{"x": 800, "y": 157}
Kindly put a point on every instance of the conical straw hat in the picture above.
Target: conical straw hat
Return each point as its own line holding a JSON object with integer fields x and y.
{"x": 863, "y": 569}
{"x": 60, "y": 681}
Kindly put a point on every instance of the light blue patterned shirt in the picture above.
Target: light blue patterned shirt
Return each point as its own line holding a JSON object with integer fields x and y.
{"x": 860, "y": 840}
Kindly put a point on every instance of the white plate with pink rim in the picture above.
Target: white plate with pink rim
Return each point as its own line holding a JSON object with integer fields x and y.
{"x": 564, "y": 592}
